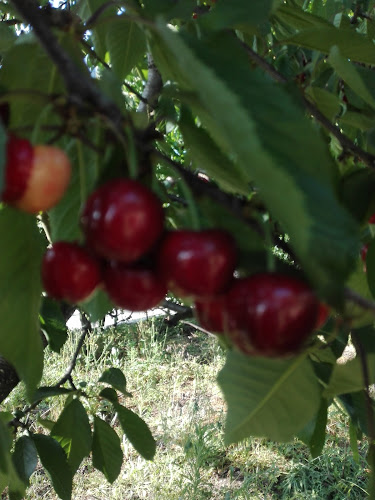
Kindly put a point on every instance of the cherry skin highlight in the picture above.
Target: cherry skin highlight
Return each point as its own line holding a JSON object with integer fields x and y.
{"x": 271, "y": 314}
{"x": 69, "y": 272}
{"x": 197, "y": 263}
{"x": 122, "y": 220}
{"x": 134, "y": 288}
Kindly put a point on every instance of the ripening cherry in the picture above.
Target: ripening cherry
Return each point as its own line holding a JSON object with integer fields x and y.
{"x": 322, "y": 315}
{"x": 134, "y": 288}
{"x": 35, "y": 178}
{"x": 122, "y": 220}
{"x": 197, "y": 263}
{"x": 70, "y": 272}
{"x": 271, "y": 314}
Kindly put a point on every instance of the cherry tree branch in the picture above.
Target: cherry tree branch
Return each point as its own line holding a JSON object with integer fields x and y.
{"x": 80, "y": 87}
{"x": 346, "y": 143}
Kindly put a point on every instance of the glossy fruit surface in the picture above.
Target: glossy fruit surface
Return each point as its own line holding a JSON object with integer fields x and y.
{"x": 69, "y": 272}
{"x": 271, "y": 314}
{"x": 35, "y": 178}
{"x": 122, "y": 220}
{"x": 19, "y": 162}
{"x": 132, "y": 287}
{"x": 212, "y": 314}
{"x": 197, "y": 263}
{"x": 372, "y": 219}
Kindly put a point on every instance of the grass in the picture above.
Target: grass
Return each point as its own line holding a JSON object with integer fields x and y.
{"x": 171, "y": 374}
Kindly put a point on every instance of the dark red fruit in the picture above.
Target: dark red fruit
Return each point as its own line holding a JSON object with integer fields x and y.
{"x": 19, "y": 162}
{"x": 69, "y": 272}
{"x": 197, "y": 263}
{"x": 212, "y": 314}
{"x": 322, "y": 315}
{"x": 372, "y": 219}
{"x": 132, "y": 287}
{"x": 271, "y": 314}
{"x": 122, "y": 220}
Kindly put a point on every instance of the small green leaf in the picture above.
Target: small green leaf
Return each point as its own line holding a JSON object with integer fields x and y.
{"x": 106, "y": 450}
{"x": 267, "y": 397}
{"x": 25, "y": 458}
{"x": 353, "y": 435}
{"x": 54, "y": 460}
{"x": 238, "y": 13}
{"x": 348, "y": 377}
{"x": 115, "y": 378}
{"x": 351, "y": 44}
{"x": 126, "y": 44}
{"x": 98, "y": 306}
{"x": 48, "y": 392}
{"x": 137, "y": 431}
{"x": 109, "y": 394}
{"x": 314, "y": 433}
{"x": 347, "y": 71}
{"x": 53, "y": 324}
{"x": 73, "y": 428}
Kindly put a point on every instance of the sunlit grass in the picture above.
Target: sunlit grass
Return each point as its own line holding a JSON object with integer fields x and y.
{"x": 171, "y": 375}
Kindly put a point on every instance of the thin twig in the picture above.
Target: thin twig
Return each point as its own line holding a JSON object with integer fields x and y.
{"x": 346, "y": 143}
{"x": 356, "y": 298}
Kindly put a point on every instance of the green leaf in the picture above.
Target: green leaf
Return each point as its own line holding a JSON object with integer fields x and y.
{"x": 137, "y": 431}
{"x": 106, "y": 450}
{"x": 115, "y": 378}
{"x": 348, "y": 377}
{"x": 101, "y": 27}
{"x": 126, "y": 44}
{"x": 25, "y": 458}
{"x": 8, "y": 473}
{"x": 7, "y": 37}
{"x": 351, "y": 44}
{"x": 299, "y": 19}
{"x": 267, "y": 397}
{"x": 208, "y": 156}
{"x": 109, "y": 394}
{"x": 326, "y": 102}
{"x": 48, "y": 392}
{"x": 64, "y": 217}
{"x": 73, "y": 429}
{"x": 238, "y": 13}
{"x": 357, "y": 193}
{"x": 353, "y": 435}
{"x": 314, "y": 433}
{"x": 53, "y": 459}
{"x": 53, "y": 324}
{"x": 347, "y": 71}
{"x": 215, "y": 76}
{"x": 20, "y": 292}
{"x": 98, "y": 306}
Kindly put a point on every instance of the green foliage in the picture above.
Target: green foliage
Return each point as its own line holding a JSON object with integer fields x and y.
{"x": 106, "y": 450}
{"x": 266, "y": 397}
{"x": 273, "y": 101}
{"x": 20, "y": 287}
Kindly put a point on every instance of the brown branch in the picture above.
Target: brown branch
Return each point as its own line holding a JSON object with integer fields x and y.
{"x": 346, "y": 143}
{"x": 80, "y": 87}
{"x": 153, "y": 86}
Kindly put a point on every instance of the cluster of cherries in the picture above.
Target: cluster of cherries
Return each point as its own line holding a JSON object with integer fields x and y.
{"x": 128, "y": 253}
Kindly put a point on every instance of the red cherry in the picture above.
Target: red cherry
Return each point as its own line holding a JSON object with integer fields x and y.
{"x": 19, "y": 162}
{"x": 322, "y": 315}
{"x": 69, "y": 272}
{"x": 35, "y": 178}
{"x": 372, "y": 219}
{"x": 195, "y": 15}
{"x": 212, "y": 314}
{"x": 133, "y": 288}
{"x": 271, "y": 314}
{"x": 122, "y": 220}
{"x": 198, "y": 263}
